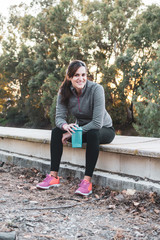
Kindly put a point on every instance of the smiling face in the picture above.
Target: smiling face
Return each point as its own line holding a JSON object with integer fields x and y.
{"x": 79, "y": 79}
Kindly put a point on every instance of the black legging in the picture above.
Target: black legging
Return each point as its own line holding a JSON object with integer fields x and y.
{"x": 93, "y": 138}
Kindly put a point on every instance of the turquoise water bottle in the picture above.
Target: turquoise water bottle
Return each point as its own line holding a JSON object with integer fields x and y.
{"x": 77, "y": 138}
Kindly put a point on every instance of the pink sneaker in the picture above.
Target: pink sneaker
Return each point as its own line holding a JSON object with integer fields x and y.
{"x": 49, "y": 182}
{"x": 85, "y": 188}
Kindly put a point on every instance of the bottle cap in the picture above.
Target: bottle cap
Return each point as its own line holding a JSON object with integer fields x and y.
{"x": 79, "y": 128}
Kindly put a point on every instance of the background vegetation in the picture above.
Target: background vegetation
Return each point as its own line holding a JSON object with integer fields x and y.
{"x": 118, "y": 39}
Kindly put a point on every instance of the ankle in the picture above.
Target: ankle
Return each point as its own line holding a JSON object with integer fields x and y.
{"x": 87, "y": 178}
{"x": 53, "y": 174}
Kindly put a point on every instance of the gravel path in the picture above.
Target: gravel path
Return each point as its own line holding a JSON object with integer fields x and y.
{"x": 60, "y": 214}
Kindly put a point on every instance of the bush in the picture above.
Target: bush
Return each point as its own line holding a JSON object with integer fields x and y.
{"x": 16, "y": 117}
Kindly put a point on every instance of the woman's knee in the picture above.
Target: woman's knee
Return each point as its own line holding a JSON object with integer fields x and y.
{"x": 107, "y": 135}
{"x": 93, "y": 134}
{"x": 56, "y": 132}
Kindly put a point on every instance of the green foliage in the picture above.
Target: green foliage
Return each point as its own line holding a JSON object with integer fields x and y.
{"x": 53, "y": 110}
{"x": 146, "y": 28}
{"x": 31, "y": 67}
{"x": 49, "y": 97}
{"x": 141, "y": 49}
{"x": 15, "y": 117}
{"x": 148, "y": 109}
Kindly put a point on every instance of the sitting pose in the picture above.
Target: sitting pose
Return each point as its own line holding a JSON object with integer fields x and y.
{"x": 85, "y": 100}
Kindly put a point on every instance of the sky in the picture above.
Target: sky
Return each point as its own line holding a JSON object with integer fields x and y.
{"x": 4, "y": 5}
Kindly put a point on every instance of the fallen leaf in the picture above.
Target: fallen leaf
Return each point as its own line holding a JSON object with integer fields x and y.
{"x": 124, "y": 191}
{"x": 27, "y": 236}
{"x": 97, "y": 196}
{"x": 119, "y": 197}
{"x": 157, "y": 211}
{"x": 21, "y": 176}
{"x": 136, "y": 204}
{"x": 130, "y": 191}
{"x": 152, "y": 196}
{"x": 20, "y": 187}
{"x": 33, "y": 187}
{"x": 111, "y": 207}
{"x": 119, "y": 234}
{"x": 142, "y": 209}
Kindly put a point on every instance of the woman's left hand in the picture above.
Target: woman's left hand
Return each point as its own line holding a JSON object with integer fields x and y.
{"x": 65, "y": 137}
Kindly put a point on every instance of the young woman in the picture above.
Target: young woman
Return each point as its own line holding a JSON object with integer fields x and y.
{"x": 86, "y": 101}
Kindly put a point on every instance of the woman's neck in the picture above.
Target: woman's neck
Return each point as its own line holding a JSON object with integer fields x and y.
{"x": 79, "y": 93}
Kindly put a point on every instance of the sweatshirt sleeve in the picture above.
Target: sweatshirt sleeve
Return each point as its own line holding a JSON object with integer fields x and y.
{"x": 61, "y": 113}
{"x": 98, "y": 110}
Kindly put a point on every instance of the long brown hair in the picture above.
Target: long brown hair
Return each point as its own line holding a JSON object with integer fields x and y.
{"x": 65, "y": 90}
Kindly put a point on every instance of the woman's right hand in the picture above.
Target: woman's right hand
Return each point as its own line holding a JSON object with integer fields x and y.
{"x": 70, "y": 127}
{"x": 65, "y": 137}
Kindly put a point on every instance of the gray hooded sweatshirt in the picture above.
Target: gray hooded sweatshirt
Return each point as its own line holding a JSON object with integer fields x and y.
{"x": 88, "y": 108}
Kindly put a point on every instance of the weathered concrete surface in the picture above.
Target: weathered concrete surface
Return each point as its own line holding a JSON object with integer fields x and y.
{"x": 142, "y": 146}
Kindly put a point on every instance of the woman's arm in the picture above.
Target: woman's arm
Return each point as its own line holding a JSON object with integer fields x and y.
{"x": 61, "y": 113}
{"x": 98, "y": 110}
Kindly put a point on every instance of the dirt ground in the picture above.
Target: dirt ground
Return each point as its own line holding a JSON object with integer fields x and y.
{"x": 60, "y": 214}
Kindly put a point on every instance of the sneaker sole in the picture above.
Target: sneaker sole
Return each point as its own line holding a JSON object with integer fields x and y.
{"x": 83, "y": 194}
{"x": 55, "y": 185}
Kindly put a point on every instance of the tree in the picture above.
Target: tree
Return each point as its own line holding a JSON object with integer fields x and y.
{"x": 7, "y": 66}
{"x": 147, "y": 102}
{"x": 141, "y": 49}
{"x": 6, "y": 98}
{"x": 37, "y": 61}
{"x": 105, "y": 33}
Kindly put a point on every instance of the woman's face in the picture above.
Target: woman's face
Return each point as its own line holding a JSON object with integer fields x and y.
{"x": 79, "y": 79}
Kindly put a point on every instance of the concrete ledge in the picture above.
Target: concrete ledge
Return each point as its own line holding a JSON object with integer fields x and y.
{"x": 125, "y": 156}
{"x": 140, "y": 146}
